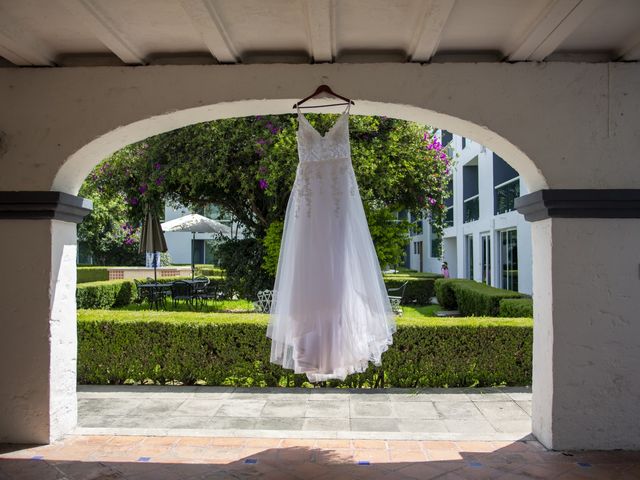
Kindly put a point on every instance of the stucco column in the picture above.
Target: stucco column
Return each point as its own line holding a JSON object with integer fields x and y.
{"x": 38, "y": 339}
{"x": 586, "y": 287}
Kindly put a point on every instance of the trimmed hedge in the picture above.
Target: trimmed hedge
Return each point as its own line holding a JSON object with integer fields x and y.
{"x": 516, "y": 307}
{"x": 109, "y": 294}
{"x": 471, "y": 298}
{"x": 115, "y": 347}
{"x": 120, "y": 293}
{"x": 92, "y": 274}
{"x": 419, "y": 290}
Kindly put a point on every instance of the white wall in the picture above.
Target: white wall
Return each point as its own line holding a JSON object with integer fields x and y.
{"x": 561, "y": 125}
{"x": 179, "y": 243}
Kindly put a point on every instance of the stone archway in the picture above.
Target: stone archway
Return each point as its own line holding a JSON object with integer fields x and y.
{"x": 59, "y": 123}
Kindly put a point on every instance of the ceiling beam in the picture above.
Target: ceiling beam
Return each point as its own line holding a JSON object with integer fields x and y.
{"x": 105, "y": 30}
{"x": 429, "y": 31}
{"x": 208, "y": 23}
{"x": 630, "y": 52}
{"x": 555, "y": 23}
{"x": 21, "y": 48}
{"x": 319, "y": 16}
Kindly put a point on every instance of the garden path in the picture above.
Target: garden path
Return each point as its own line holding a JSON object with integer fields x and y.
{"x": 487, "y": 414}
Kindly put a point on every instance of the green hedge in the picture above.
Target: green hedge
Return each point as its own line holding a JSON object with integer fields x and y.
{"x": 114, "y": 293}
{"x": 471, "y": 298}
{"x": 232, "y": 349}
{"x": 516, "y": 307}
{"x": 92, "y": 274}
{"x": 419, "y": 290}
{"x": 119, "y": 293}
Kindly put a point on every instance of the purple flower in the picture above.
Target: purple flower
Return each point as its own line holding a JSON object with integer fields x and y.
{"x": 263, "y": 184}
{"x": 133, "y": 201}
{"x": 258, "y": 117}
{"x": 261, "y": 141}
{"x": 432, "y": 201}
{"x": 143, "y": 188}
{"x": 274, "y": 130}
{"x": 159, "y": 180}
{"x": 262, "y": 169}
{"x": 425, "y": 137}
{"x": 443, "y": 156}
{"x": 157, "y": 166}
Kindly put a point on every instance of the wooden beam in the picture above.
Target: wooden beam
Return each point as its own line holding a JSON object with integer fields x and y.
{"x": 207, "y": 22}
{"x": 319, "y": 17}
{"x": 555, "y": 23}
{"x": 427, "y": 36}
{"x": 105, "y": 30}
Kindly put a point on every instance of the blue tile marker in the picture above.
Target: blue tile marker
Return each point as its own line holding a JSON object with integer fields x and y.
{"x": 144, "y": 459}
{"x": 251, "y": 461}
{"x": 584, "y": 465}
{"x": 475, "y": 464}
{"x": 37, "y": 457}
{"x": 364, "y": 462}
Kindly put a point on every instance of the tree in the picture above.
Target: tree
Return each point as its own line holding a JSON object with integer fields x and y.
{"x": 247, "y": 166}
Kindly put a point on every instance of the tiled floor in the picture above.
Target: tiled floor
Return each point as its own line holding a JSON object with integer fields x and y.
{"x": 186, "y": 458}
{"x": 489, "y": 414}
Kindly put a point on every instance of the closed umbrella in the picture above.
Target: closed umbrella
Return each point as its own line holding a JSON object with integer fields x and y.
{"x": 195, "y": 223}
{"x": 152, "y": 239}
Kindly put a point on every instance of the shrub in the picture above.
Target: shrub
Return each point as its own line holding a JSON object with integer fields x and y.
{"x": 92, "y": 274}
{"x": 445, "y": 293}
{"x": 232, "y": 349}
{"x": 471, "y": 298}
{"x": 114, "y": 293}
{"x": 516, "y": 307}
{"x": 481, "y": 300}
{"x": 242, "y": 261}
{"x": 418, "y": 291}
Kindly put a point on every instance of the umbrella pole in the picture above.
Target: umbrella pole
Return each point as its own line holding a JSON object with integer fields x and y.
{"x": 193, "y": 265}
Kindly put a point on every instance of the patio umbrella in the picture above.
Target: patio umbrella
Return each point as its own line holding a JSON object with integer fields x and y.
{"x": 195, "y": 223}
{"x": 152, "y": 239}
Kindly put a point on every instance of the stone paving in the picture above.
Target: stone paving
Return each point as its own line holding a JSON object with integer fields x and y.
{"x": 490, "y": 414}
{"x": 190, "y": 458}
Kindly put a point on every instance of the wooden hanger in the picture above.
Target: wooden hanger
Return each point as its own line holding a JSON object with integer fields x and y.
{"x": 323, "y": 89}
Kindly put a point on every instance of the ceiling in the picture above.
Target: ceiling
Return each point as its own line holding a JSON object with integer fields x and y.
{"x": 142, "y": 32}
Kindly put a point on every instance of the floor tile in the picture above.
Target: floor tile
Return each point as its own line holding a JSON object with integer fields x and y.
{"x": 328, "y": 408}
{"x": 280, "y": 408}
{"x": 370, "y": 409}
{"x": 415, "y": 410}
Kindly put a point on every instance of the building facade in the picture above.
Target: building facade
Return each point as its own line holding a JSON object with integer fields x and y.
{"x": 485, "y": 238}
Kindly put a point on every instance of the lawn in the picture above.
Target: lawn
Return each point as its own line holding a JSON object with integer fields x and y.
{"x": 419, "y": 316}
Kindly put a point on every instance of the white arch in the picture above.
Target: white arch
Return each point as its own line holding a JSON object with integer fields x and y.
{"x": 75, "y": 169}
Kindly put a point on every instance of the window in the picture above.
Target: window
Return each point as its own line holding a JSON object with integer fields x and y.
{"x": 509, "y": 259}
{"x": 505, "y": 196}
{"x": 471, "y": 209}
{"x": 448, "y": 218}
{"x": 446, "y": 138}
{"x": 464, "y": 142}
{"x": 468, "y": 243}
{"x": 486, "y": 258}
{"x": 436, "y": 244}
{"x": 470, "y": 192}
{"x": 506, "y": 185}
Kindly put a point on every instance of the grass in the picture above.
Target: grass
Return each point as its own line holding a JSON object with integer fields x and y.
{"x": 220, "y": 306}
{"x": 413, "y": 316}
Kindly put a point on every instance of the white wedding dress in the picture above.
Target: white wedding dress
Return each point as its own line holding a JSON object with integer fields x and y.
{"x": 330, "y": 315}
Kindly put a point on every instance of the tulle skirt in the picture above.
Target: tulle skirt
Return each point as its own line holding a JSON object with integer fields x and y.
{"x": 331, "y": 314}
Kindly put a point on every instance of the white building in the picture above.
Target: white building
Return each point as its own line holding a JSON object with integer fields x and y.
{"x": 486, "y": 239}
{"x": 179, "y": 243}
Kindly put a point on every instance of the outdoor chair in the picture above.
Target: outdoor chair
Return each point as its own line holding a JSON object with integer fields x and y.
{"x": 181, "y": 290}
{"x": 199, "y": 285}
{"x": 210, "y": 291}
{"x": 263, "y": 304}
{"x": 395, "y": 297}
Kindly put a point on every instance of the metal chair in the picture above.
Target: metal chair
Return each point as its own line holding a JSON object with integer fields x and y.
{"x": 181, "y": 290}
{"x": 396, "y": 300}
{"x": 265, "y": 299}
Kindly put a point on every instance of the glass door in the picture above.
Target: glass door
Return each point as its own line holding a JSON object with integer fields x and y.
{"x": 509, "y": 259}
{"x": 485, "y": 239}
{"x": 468, "y": 242}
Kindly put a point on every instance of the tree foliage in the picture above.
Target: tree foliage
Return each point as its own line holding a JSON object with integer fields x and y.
{"x": 247, "y": 167}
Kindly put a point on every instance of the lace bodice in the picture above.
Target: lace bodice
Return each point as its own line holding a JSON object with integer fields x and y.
{"x": 333, "y": 145}
{"x": 324, "y": 172}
